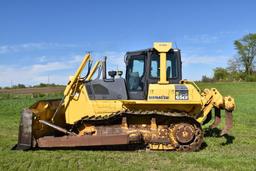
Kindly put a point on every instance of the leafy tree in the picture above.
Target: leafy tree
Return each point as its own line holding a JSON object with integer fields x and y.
{"x": 206, "y": 79}
{"x": 18, "y": 86}
{"x": 246, "y": 49}
{"x": 234, "y": 65}
{"x": 220, "y": 74}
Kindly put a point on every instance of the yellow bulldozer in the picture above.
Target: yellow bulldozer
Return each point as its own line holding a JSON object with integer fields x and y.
{"x": 152, "y": 107}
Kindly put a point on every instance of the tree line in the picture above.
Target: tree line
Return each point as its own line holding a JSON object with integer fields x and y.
{"x": 242, "y": 66}
{"x": 35, "y": 86}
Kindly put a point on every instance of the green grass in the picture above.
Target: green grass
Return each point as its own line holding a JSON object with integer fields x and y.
{"x": 239, "y": 155}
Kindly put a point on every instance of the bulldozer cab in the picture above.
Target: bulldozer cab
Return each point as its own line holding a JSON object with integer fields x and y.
{"x": 143, "y": 68}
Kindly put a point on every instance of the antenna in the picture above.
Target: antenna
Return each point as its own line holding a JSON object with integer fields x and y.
{"x": 175, "y": 43}
{"x": 89, "y": 51}
{"x": 48, "y": 79}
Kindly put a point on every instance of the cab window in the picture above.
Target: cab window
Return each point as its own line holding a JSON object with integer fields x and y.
{"x": 171, "y": 70}
{"x": 135, "y": 73}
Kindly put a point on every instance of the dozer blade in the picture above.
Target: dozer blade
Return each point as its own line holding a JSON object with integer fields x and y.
{"x": 25, "y": 131}
{"x": 30, "y": 129}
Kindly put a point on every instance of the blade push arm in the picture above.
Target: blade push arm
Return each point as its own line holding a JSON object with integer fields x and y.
{"x": 77, "y": 74}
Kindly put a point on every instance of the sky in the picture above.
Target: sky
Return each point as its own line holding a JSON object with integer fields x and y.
{"x": 45, "y": 41}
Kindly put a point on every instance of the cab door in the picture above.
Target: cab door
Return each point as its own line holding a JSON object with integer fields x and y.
{"x": 136, "y": 77}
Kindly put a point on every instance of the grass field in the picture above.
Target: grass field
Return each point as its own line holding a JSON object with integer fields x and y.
{"x": 217, "y": 155}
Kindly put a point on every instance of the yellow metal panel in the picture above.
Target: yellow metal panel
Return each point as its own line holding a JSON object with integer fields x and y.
{"x": 106, "y": 107}
{"x": 162, "y": 46}
{"x": 166, "y": 93}
{"x": 78, "y": 105}
{"x": 163, "y": 79}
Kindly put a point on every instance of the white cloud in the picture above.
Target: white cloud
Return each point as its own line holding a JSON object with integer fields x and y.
{"x": 32, "y": 46}
{"x": 42, "y": 59}
{"x": 115, "y": 60}
{"x": 208, "y": 38}
{"x": 51, "y": 66}
{"x": 57, "y": 71}
{"x": 197, "y": 65}
{"x": 202, "y": 38}
{"x": 4, "y": 49}
{"x": 204, "y": 59}
{"x": 37, "y": 73}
